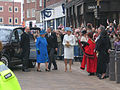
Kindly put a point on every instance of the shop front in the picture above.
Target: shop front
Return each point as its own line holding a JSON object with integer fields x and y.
{"x": 53, "y": 16}
{"x": 86, "y": 11}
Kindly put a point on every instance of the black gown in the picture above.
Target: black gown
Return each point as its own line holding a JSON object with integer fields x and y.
{"x": 102, "y": 46}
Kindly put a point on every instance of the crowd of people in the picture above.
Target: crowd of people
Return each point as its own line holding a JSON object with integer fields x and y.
{"x": 93, "y": 44}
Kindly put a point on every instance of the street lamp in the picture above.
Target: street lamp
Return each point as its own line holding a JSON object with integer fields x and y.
{"x": 98, "y": 11}
{"x": 44, "y": 14}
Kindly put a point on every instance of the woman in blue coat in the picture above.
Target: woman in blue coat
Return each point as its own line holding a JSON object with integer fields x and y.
{"x": 42, "y": 53}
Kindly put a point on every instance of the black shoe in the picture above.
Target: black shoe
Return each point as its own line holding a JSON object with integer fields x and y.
{"x": 39, "y": 70}
{"x": 106, "y": 76}
{"x": 102, "y": 78}
{"x": 47, "y": 70}
{"x": 91, "y": 74}
{"x": 26, "y": 70}
{"x": 54, "y": 69}
{"x": 99, "y": 75}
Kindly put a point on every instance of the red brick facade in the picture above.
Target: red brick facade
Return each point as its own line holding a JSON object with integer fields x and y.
{"x": 5, "y": 14}
{"x": 29, "y": 6}
{"x": 48, "y": 2}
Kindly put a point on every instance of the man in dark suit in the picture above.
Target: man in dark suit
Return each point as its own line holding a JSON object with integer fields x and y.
{"x": 52, "y": 48}
{"x": 25, "y": 46}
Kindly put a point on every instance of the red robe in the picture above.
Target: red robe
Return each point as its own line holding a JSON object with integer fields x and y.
{"x": 91, "y": 62}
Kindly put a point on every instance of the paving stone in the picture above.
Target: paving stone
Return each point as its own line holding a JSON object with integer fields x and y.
{"x": 60, "y": 80}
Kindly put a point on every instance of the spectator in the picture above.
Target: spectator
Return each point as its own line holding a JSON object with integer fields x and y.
{"x": 60, "y": 27}
{"x": 117, "y": 43}
{"x": 76, "y": 47}
{"x": 103, "y": 46}
{"x": 84, "y": 36}
{"x": 59, "y": 41}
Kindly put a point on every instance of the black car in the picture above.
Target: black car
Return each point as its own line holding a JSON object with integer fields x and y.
{"x": 11, "y": 53}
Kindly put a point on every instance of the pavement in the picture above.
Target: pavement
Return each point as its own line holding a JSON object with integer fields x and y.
{"x": 60, "y": 80}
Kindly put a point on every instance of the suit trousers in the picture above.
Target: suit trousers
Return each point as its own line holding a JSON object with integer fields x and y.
{"x": 52, "y": 58}
{"x": 25, "y": 59}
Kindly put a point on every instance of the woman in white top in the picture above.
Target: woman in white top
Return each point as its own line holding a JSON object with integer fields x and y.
{"x": 68, "y": 42}
{"x": 84, "y": 36}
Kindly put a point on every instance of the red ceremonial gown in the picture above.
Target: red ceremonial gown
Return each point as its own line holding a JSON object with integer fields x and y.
{"x": 91, "y": 62}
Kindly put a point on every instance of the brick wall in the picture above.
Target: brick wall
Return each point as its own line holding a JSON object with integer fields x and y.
{"x": 27, "y": 6}
{"x": 5, "y": 14}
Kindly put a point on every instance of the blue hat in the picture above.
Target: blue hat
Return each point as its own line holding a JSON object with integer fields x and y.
{"x": 42, "y": 32}
{"x": 68, "y": 29}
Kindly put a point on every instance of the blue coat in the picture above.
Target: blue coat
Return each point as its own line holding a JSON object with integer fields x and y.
{"x": 41, "y": 45}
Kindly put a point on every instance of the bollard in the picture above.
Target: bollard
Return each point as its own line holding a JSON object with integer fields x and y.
{"x": 117, "y": 69}
{"x": 112, "y": 66}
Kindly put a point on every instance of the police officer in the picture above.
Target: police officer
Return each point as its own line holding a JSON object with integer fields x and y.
{"x": 25, "y": 46}
{"x": 8, "y": 80}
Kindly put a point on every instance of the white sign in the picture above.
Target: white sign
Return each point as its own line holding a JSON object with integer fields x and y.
{"x": 91, "y": 7}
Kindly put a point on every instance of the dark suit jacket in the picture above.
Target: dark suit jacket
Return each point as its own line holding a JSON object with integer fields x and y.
{"x": 25, "y": 41}
{"x": 52, "y": 40}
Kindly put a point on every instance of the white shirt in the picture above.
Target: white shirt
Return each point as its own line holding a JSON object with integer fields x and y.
{"x": 83, "y": 38}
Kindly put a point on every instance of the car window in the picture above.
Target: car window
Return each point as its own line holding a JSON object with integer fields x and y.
{"x": 19, "y": 33}
{"x": 5, "y": 34}
{"x": 15, "y": 36}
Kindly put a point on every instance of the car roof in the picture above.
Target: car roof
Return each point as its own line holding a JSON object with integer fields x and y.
{"x": 32, "y": 28}
{"x": 8, "y": 27}
{"x": 17, "y": 27}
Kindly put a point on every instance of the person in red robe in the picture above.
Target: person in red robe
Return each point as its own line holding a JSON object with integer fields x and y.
{"x": 89, "y": 56}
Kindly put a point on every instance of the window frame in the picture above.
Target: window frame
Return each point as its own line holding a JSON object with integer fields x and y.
{"x": 28, "y": 13}
{"x": 2, "y": 20}
{"x": 11, "y": 20}
{"x": 2, "y": 9}
{"x": 15, "y": 20}
{"x": 28, "y": 1}
{"x": 15, "y": 8}
{"x": 33, "y": 13}
{"x": 33, "y": 0}
{"x": 11, "y": 8}
{"x": 40, "y": 3}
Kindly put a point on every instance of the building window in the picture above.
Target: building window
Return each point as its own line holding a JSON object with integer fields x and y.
{"x": 33, "y": 12}
{"x": 10, "y": 20}
{"x": 10, "y": 9}
{"x": 28, "y": 13}
{"x": 16, "y": 20}
{"x": 60, "y": 21}
{"x": 40, "y": 3}
{"x": 28, "y": 1}
{"x": 1, "y": 19}
{"x": 16, "y": 9}
{"x": 1, "y": 8}
{"x": 33, "y": 0}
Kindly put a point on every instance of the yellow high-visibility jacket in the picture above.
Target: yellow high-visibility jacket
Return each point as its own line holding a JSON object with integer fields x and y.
{"x": 8, "y": 80}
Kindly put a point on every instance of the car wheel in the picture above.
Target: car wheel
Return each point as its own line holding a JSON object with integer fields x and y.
{"x": 5, "y": 60}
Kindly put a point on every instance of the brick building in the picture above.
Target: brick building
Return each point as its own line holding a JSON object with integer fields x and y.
{"x": 34, "y": 9}
{"x": 8, "y": 15}
{"x": 29, "y": 8}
